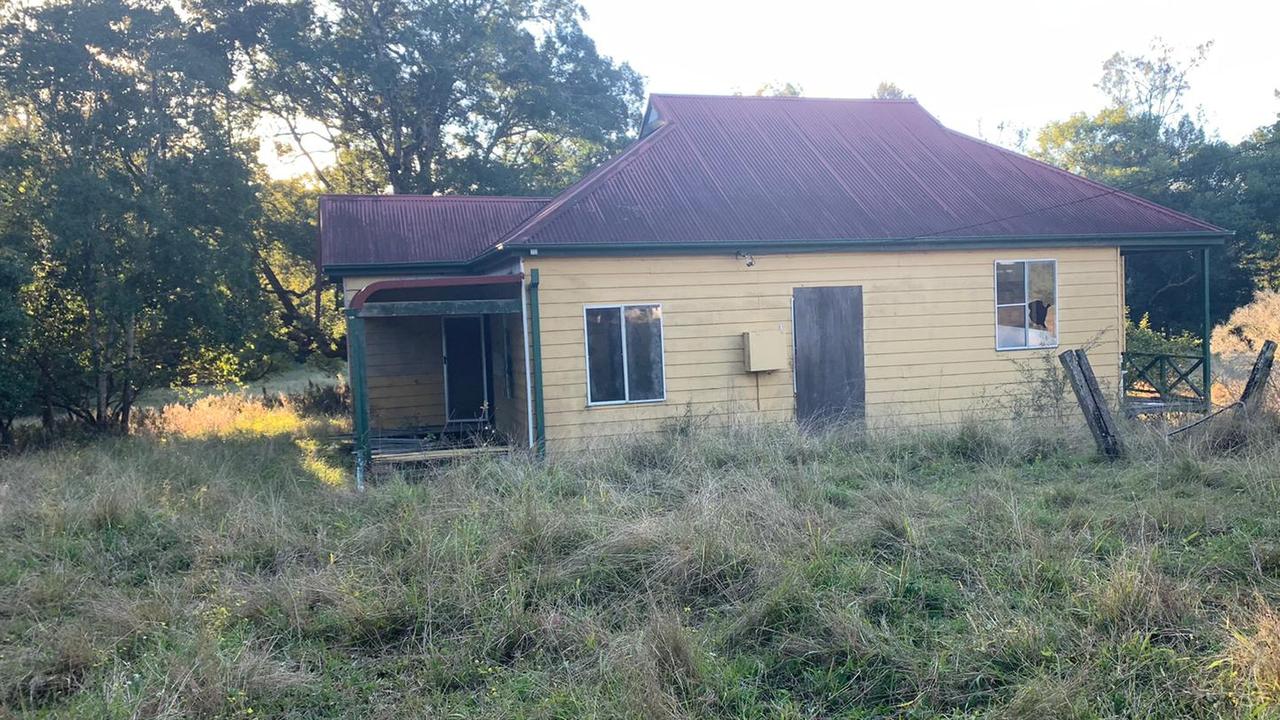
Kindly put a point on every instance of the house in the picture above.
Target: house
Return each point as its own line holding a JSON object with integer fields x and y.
{"x": 788, "y": 259}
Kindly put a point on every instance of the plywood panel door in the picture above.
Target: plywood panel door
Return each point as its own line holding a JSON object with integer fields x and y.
{"x": 466, "y": 382}
{"x": 830, "y": 370}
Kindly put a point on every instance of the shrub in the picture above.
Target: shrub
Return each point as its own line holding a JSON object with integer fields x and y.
{"x": 1249, "y": 325}
{"x": 1143, "y": 338}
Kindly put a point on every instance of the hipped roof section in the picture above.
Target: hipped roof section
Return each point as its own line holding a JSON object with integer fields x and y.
{"x": 371, "y": 230}
{"x": 754, "y": 171}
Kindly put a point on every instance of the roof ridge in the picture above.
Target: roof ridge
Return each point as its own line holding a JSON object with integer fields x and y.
{"x": 789, "y": 98}
{"x": 1107, "y": 189}
{"x": 586, "y": 184}
{"x": 451, "y": 198}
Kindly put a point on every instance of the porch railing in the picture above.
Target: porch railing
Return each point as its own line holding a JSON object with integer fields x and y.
{"x": 1164, "y": 379}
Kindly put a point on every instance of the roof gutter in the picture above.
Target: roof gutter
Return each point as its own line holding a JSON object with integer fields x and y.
{"x": 1196, "y": 239}
{"x": 781, "y": 247}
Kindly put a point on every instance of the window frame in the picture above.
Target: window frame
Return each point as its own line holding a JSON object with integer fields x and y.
{"x": 1026, "y": 320}
{"x": 626, "y": 370}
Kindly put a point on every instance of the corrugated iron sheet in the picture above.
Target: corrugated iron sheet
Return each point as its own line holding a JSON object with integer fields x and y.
{"x": 743, "y": 169}
{"x": 376, "y": 229}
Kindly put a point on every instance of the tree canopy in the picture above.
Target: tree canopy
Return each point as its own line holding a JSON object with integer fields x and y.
{"x": 890, "y": 91}
{"x": 1146, "y": 143}
{"x": 133, "y": 197}
{"x": 475, "y": 96}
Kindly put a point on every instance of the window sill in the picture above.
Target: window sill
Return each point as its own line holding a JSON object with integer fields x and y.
{"x": 1028, "y": 347}
{"x": 624, "y": 403}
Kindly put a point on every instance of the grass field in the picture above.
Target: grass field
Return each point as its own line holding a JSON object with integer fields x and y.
{"x": 219, "y": 565}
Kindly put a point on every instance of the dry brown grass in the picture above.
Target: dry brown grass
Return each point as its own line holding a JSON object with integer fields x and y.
{"x": 1253, "y": 660}
{"x": 746, "y": 571}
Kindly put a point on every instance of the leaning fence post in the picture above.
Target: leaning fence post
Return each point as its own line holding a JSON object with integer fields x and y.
{"x": 1256, "y": 388}
{"x": 1092, "y": 403}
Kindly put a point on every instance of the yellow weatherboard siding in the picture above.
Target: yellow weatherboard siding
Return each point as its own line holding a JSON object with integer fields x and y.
{"x": 405, "y": 372}
{"x": 929, "y": 337}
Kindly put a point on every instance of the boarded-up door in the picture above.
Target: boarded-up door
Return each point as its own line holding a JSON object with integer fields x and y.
{"x": 831, "y": 381}
{"x": 465, "y": 380}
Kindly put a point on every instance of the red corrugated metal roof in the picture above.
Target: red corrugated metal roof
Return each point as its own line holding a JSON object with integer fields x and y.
{"x": 718, "y": 169}
{"x": 750, "y": 169}
{"x": 381, "y": 229}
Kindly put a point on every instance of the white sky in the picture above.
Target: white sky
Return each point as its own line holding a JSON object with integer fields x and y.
{"x": 972, "y": 64}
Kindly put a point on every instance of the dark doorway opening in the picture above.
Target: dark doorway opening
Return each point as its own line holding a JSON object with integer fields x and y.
{"x": 466, "y": 378}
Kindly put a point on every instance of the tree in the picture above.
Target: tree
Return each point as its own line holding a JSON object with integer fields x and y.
{"x": 1152, "y": 85}
{"x": 470, "y": 96}
{"x": 778, "y": 89}
{"x": 1145, "y": 143}
{"x": 284, "y": 252}
{"x": 139, "y": 269}
{"x": 890, "y": 91}
{"x": 18, "y": 181}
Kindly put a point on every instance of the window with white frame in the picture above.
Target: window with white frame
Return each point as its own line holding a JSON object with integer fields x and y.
{"x": 1026, "y": 304}
{"x": 624, "y": 354}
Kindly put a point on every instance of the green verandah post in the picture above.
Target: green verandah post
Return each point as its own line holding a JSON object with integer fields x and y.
{"x": 535, "y": 329}
{"x": 1206, "y": 358}
{"x": 359, "y": 393}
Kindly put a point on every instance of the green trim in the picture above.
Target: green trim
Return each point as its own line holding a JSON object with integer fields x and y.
{"x": 440, "y": 307}
{"x": 335, "y": 272}
{"x": 1206, "y": 332}
{"x": 494, "y": 255}
{"x": 535, "y": 329}
{"x": 879, "y": 245}
{"x": 359, "y": 392}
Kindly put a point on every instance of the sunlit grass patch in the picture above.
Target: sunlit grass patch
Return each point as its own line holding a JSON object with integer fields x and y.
{"x": 227, "y": 415}
{"x": 315, "y": 461}
{"x": 1251, "y": 664}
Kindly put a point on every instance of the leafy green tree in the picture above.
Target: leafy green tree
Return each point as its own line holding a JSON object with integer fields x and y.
{"x": 20, "y": 201}
{"x": 890, "y": 91}
{"x": 141, "y": 269}
{"x": 1144, "y": 142}
{"x": 284, "y": 252}
{"x": 468, "y": 96}
{"x": 778, "y": 89}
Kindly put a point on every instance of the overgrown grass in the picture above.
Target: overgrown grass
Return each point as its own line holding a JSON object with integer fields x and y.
{"x": 223, "y": 567}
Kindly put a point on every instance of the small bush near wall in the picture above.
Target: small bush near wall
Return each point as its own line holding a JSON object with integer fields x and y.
{"x": 1141, "y": 337}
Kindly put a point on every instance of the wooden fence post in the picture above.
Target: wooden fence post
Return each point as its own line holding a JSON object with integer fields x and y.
{"x": 1256, "y": 388}
{"x": 1092, "y": 403}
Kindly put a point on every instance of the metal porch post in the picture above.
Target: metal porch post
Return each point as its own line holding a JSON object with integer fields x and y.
{"x": 1207, "y": 330}
{"x": 359, "y": 393}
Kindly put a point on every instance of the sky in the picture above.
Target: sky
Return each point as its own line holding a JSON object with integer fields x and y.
{"x": 974, "y": 65}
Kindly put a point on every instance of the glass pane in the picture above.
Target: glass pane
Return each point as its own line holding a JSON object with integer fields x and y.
{"x": 1010, "y": 282}
{"x": 1010, "y": 329}
{"x": 1042, "y": 311}
{"x": 604, "y": 355}
{"x": 644, "y": 351}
